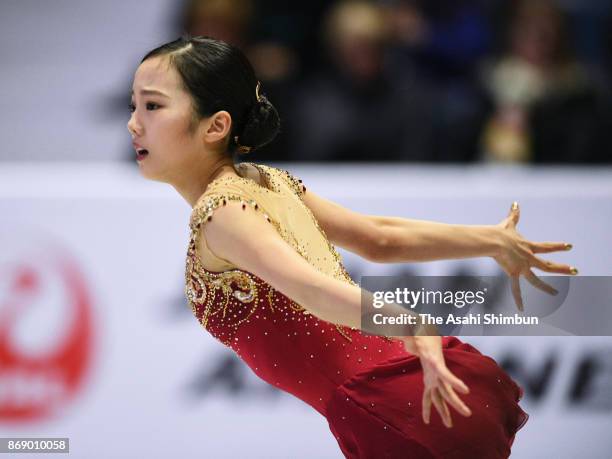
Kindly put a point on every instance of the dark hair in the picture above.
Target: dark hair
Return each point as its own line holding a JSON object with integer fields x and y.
{"x": 219, "y": 77}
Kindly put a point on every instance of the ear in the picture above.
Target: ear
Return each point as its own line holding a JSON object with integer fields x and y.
{"x": 218, "y": 127}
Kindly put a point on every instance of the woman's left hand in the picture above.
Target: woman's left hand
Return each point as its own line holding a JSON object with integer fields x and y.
{"x": 517, "y": 257}
{"x": 439, "y": 383}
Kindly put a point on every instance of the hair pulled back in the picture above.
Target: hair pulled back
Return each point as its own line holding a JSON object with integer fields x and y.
{"x": 218, "y": 76}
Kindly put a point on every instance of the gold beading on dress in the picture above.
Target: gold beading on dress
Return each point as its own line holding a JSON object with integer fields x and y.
{"x": 220, "y": 294}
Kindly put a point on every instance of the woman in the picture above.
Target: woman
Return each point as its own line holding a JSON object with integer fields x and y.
{"x": 263, "y": 277}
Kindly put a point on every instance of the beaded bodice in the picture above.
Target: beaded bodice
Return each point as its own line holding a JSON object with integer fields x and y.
{"x": 280, "y": 340}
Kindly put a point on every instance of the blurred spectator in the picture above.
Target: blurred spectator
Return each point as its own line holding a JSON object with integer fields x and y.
{"x": 441, "y": 44}
{"x": 227, "y": 20}
{"x": 354, "y": 109}
{"x": 444, "y": 39}
{"x": 546, "y": 107}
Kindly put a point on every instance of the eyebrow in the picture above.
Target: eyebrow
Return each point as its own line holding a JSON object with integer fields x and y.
{"x": 151, "y": 92}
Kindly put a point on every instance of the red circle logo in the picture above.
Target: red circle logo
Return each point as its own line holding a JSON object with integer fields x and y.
{"x": 45, "y": 329}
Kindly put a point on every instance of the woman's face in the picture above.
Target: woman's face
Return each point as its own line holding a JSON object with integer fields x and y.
{"x": 161, "y": 115}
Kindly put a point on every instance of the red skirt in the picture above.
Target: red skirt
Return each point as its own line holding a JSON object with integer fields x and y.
{"x": 376, "y": 413}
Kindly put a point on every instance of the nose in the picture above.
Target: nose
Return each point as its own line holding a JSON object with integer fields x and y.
{"x": 134, "y": 127}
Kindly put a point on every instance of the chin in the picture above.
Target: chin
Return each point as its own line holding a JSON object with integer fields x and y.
{"x": 146, "y": 173}
{"x": 153, "y": 177}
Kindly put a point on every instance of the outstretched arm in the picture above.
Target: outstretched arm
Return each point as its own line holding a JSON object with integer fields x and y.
{"x": 400, "y": 240}
{"x": 410, "y": 240}
{"x": 394, "y": 239}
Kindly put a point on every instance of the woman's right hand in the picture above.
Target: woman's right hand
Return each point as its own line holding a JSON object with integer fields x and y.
{"x": 439, "y": 382}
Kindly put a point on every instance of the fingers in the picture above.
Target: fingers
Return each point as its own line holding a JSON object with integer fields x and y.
{"x": 426, "y": 405}
{"x": 441, "y": 407}
{"x": 516, "y": 292}
{"x": 451, "y": 397}
{"x": 551, "y": 267}
{"x": 455, "y": 382}
{"x": 515, "y": 213}
{"x": 538, "y": 283}
{"x": 547, "y": 247}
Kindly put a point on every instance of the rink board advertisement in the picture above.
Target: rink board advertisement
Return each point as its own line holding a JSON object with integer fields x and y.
{"x": 98, "y": 345}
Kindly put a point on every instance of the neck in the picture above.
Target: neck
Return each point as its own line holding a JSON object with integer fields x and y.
{"x": 194, "y": 186}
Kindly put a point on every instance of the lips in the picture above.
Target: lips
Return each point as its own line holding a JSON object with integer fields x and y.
{"x": 141, "y": 152}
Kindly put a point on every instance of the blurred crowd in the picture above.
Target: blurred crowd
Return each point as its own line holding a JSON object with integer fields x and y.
{"x": 523, "y": 81}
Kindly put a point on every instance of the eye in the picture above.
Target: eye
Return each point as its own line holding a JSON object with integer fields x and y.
{"x": 149, "y": 105}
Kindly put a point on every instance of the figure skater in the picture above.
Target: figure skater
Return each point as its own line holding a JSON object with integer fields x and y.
{"x": 264, "y": 278}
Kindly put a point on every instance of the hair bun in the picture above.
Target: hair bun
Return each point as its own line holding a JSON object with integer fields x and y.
{"x": 262, "y": 124}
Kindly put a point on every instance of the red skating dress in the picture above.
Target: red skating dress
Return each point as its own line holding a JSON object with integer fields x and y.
{"x": 368, "y": 387}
